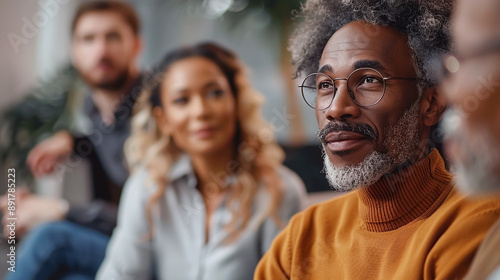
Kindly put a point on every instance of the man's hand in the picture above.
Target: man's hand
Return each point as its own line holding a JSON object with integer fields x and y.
{"x": 44, "y": 155}
{"x": 32, "y": 210}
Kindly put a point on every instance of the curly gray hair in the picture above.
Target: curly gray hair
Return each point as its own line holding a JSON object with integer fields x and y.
{"x": 425, "y": 22}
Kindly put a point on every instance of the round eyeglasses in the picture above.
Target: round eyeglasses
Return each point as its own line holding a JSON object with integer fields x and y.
{"x": 366, "y": 87}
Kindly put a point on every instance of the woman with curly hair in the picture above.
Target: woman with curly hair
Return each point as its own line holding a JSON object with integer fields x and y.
{"x": 208, "y": 192}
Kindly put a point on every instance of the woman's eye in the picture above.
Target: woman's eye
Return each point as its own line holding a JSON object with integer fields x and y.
{"x": 215, "y": 93}
{"x": 180, "y": 100}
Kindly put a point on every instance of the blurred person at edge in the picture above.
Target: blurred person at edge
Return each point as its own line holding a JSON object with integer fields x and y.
{"x": 207, "y": 193}
{"x": 471, "y": 83}
{"x": 374, "y": 92}
{"x": 67, "y": 240}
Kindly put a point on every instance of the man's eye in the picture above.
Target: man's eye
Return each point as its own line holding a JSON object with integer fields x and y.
{"x": 113, "y": 37}
{"x": 369, "y": 80}
{"x": 325, "y": 85}
{"x": 87, "y": 38}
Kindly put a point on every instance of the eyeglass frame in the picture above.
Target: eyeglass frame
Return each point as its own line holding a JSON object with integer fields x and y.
{"x": 445, "y": 72}
{"x": 349, "y": 91}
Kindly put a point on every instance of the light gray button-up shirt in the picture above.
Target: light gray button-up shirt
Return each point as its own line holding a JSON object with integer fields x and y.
{"x": 178, "y": 250}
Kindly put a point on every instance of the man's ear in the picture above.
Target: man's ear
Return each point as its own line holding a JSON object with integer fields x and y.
{"x": 160, "y": 120}
{"x": 432, "y": 106}
{"x": 138, "y": 44}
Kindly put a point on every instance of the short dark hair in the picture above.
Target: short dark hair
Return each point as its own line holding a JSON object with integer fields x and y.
{"x": 124, "y": 9}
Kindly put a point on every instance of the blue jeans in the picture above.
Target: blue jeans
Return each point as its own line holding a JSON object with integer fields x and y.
{"x": 60, "y": 250}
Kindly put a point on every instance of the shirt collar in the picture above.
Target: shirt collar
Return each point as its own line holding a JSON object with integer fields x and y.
{"x": 182, "y": 168}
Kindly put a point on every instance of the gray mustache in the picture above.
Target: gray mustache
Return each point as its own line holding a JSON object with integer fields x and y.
{"x": 360, "y": 128}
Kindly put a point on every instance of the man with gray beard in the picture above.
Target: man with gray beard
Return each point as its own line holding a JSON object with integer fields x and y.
{"x": 373, "y": 88}
{"x": 472, "y": 86}
{"x": 403, "y": 136}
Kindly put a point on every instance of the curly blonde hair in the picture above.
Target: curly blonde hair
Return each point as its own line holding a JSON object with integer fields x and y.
{"x": 257, "y": 154}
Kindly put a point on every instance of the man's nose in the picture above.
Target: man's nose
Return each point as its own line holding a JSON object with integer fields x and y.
{"x": 342, "y": 106}
{"x": 102, "y": 47}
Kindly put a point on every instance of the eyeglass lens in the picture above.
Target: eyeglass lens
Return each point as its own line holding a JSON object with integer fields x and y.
{"x": 365, "y": 86}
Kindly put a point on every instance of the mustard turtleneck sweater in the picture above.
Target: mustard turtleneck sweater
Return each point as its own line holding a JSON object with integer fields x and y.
{"x": 411, "y": 224}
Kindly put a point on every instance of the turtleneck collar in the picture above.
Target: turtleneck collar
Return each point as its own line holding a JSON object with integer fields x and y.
{"x": 405, "y": 195}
